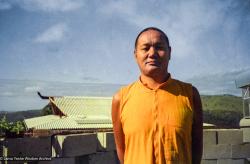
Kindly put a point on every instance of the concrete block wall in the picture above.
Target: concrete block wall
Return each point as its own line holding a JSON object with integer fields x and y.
{"x": 86, "y": 148}
{"x": 27, "y": 147}
{"x": 221, "y": 146}
{"x": 225, "y": 146}
{"x": 246, "y": 134}
{"x": 73, "y": 145}
{"x": 95, "y": 148}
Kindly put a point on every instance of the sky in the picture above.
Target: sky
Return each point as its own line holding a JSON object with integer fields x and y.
{"x": 51, "y": 45}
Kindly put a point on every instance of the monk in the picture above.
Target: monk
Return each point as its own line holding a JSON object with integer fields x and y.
{"x": 157, "y": 119}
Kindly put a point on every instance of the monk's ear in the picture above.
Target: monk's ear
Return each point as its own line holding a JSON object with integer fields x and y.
{"x": 135, "y": 55}
{"x": 169, "y": 52}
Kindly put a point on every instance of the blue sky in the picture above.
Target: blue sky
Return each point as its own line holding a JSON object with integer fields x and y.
{"x": 82, "y": 41}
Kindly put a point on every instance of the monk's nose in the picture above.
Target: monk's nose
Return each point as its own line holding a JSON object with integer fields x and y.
{"x": 152, "y": 52}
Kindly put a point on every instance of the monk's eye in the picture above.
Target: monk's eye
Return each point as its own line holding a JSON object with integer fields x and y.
{"x": 159, "y": 47}
{"x": 145, "y": 48}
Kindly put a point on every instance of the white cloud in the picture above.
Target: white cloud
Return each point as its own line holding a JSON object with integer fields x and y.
{"x": 119, "y": 7}
{"x": 169, "y": 21}
{"x": 32, "y": 89}
{"x": 219, "y": 82}
{"x": 5, "y": 5}
{"x": 6, "y": 94}
{"x": 52, "y": 34}
{"x": 126, "y": 10}
{"x": 50, "y": 5}
{"x": 185, "y": 22}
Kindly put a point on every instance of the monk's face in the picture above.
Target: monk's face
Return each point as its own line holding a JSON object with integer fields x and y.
{"x": 152, "y": 53}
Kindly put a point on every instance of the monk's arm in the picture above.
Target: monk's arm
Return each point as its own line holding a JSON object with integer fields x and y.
{"x": 197, "y": 129}
{"x": 117, "y": 127}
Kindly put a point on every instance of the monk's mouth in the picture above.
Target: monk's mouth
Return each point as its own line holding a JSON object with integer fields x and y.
{"x": 153, "y": 63}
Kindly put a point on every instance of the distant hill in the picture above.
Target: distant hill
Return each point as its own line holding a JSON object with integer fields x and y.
{"x": 225, "y": 111}
{"x": 222, "y": 102}
{"x": 20, "y": 115}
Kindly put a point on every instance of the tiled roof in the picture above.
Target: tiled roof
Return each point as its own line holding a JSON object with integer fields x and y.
{"x": 68, "y": 122}
{"x": 245, "y": 122}
{"x": 208, "y": 125}
{"x": 83, "y": 106}
{"x": 80, "y": 113}
{"x": 33, "y": 122}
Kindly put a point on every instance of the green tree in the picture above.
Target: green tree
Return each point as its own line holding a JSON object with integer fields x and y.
{"x": 15, "y": 127}
{"x": 223, "y": 118}
{"x": 4, "y": 125}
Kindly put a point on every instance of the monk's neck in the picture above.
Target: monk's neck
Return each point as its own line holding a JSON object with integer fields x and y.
{"x": 153, "y": 83}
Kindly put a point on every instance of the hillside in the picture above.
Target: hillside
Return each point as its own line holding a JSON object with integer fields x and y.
{"x": 20, "y": 115}
{"x": 222, "y": 110}
{"x": 222, "y": 102}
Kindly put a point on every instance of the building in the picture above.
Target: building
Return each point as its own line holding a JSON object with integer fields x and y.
{"x": 243, "y": 82}
{"x": 74, "y": 113}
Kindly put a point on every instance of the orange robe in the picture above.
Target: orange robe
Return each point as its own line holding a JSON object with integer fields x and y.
{"x": 157, "y": 123}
